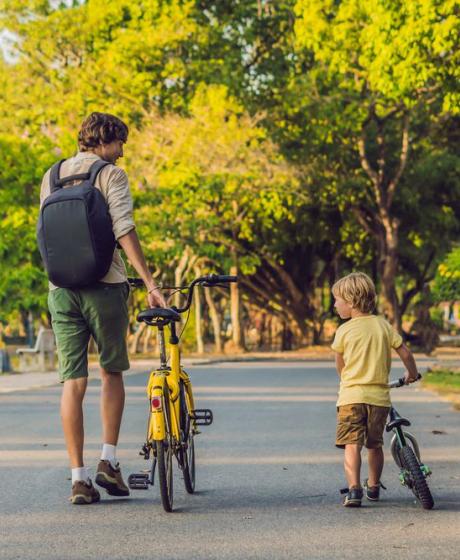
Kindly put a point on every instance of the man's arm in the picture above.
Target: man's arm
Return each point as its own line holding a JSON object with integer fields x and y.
{"x": 339, "y": 363}
{"x": 131, "y": 246}
{"x": 408, "y": 360}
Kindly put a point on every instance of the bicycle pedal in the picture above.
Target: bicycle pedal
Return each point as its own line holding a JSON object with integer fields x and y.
{"x": 202, "y": 416}
{"x": 138, "y": 481}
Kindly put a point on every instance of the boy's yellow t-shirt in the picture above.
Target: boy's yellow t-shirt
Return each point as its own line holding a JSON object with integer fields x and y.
{"x": 365, "y": 343}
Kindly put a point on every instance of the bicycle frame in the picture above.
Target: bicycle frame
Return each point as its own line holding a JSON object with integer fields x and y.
{"x": 171, "y": 376}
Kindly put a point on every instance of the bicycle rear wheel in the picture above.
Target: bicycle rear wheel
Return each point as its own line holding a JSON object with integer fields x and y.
{"x": 164, "y": 457}
{"x": 187, "y": 452}
{"x": 418, "y": 483}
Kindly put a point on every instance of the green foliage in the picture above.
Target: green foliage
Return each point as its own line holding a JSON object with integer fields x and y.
{"x": 447, "y": 282}
{"x": 244, "y": 119}
{"x": 397, "y": 50}
{"x": 22, "y": 279}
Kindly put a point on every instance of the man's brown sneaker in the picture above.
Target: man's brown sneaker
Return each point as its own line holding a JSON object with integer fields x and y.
{"x": 110, "y": 478}
{"x": 84, "y": 493}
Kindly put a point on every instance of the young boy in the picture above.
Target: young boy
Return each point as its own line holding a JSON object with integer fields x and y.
{"x": 363, "y": 359}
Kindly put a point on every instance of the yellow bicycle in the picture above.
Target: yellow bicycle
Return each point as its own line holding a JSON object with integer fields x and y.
{"x": 173, "y": 419}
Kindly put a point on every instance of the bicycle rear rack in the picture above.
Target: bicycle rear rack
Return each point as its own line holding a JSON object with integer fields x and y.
{"x": 202, "y": 416}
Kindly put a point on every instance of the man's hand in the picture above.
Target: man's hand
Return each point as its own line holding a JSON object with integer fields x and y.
{"x": 155, "y": 298}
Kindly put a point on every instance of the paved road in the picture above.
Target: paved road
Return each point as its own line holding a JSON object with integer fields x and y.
{"x": 268, "y": 477}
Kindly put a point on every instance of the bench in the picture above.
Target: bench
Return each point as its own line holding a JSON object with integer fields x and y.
{"x": 42, "y": 356}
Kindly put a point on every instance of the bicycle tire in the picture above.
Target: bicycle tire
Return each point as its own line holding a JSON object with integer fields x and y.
{"x": 164, "y": 460}
{"x": 187, "y": 458}
{"x": 419, "y": 484}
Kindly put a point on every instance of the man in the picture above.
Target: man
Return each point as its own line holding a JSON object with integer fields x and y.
{"x": 98, "y": 310}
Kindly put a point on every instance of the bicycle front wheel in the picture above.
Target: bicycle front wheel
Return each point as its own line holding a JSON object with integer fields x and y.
{"x": 164, "y": 455}
{"x": 418, "y": 481}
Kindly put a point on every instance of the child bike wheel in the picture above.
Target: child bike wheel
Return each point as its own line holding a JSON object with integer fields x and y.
{"x": 419, "y": 484}
{"x": 187, "y": 453}
{"x": 165, "y": 461}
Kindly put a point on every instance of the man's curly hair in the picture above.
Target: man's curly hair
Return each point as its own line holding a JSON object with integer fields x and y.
{"x": 101, "y": 128}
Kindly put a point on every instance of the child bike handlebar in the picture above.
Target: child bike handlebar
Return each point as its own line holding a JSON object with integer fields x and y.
{"x": 401, "y": 381}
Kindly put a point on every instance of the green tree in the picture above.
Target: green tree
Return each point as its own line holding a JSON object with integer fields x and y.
{"x": 382, "y": 61}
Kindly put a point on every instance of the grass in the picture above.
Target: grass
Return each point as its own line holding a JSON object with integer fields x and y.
{"x": 443, "y": 379}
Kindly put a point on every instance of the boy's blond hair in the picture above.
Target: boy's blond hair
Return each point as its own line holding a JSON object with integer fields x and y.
{"x": 358, "y": 290}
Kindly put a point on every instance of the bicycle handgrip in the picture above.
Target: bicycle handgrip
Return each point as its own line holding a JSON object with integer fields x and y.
{"x": 401, "y": 381}
{"x": 135, "y": 282}
{"x": 224, "y": 278}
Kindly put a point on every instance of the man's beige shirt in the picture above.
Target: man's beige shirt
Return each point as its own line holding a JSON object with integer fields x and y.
{"x": 113, "y": 184}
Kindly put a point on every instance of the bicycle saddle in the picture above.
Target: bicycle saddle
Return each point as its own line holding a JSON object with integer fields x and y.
{"x": 396, "y": 420}
{"x": 157, "y": 316}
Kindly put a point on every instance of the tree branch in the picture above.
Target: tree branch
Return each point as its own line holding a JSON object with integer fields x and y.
{"x": 402, "y": 161}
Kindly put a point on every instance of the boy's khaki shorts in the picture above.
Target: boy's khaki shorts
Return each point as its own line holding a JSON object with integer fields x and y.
{"x": 100, "y": 311}
{"x": 362, "y": 424}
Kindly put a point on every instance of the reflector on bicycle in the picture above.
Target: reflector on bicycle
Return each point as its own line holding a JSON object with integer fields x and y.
{"x": 156, "y": 403}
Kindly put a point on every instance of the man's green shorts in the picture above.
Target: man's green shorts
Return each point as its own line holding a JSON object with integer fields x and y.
{"x": 100, "y": 311}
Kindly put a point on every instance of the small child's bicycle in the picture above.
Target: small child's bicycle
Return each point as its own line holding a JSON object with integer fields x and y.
{"x": 173, "y": 419}
{"x": 406, "y": 454}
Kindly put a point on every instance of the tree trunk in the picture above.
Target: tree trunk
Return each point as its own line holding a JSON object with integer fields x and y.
{"x": 382, "y": 224}
{"x": 136, "y": 337}
{"x": 388, "y": 269}
{"x": 286, "y": 337}
{"x": 235, "y": 304}
{"x": 185, "y": 264}
{"x": 215, "y": 319}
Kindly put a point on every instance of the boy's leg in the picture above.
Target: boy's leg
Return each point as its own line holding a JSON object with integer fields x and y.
{"x": 352, "y": 465}
{"x": 351, "y": 431}
{"x": 375, "y": 461}
{"x": 377, "y": 416}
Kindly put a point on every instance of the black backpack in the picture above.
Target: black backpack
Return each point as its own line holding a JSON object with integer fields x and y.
{"x": 74, "y": 230}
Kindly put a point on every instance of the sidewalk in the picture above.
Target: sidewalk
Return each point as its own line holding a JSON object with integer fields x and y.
{"x": 13, "y": 382}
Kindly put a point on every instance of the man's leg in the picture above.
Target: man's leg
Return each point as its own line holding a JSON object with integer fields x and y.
{"x": 375, "y": 460}
{"x": 352, "y": 465}
{"x": 112, "y": 404}
{"x": 72, "y": 419}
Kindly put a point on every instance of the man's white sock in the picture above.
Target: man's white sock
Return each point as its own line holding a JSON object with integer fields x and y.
{"x": 80, "y": 473}
{"x": 109, "y": 454}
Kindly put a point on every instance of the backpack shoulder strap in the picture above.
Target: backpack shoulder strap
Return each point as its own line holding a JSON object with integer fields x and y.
{"x": 95, "y": 168}
{"x": 54, "y": 176}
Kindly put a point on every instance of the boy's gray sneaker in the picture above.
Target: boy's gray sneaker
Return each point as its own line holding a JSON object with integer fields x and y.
{"x": 373, "y": 492}
{"x": 353, "y": 496}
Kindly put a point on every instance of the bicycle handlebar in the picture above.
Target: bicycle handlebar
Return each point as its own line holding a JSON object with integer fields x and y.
{"x": 207, "y": 281}
{"x": 401, "y": 381}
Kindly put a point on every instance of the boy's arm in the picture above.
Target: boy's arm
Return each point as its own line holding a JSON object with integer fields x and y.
{"x": 339, "y": 363}
{"x": 408, "y": 360}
